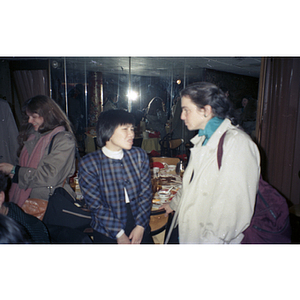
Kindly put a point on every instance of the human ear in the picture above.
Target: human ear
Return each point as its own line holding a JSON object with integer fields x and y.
{"x": 207, "y": 110}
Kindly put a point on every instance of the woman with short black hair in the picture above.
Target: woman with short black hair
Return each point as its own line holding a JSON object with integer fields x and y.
{"x": 116, "y": 183}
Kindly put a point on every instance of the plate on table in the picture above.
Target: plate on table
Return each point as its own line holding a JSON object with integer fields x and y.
{"x": 156, "y": 202}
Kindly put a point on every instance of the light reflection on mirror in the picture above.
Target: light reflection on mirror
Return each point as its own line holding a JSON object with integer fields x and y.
{"x": 132, "y": 95}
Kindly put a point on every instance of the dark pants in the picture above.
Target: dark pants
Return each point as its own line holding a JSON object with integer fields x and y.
{"x": 174, "y": 237}
{"x": 66, "y": 235}
{"x": 100, "y": 238}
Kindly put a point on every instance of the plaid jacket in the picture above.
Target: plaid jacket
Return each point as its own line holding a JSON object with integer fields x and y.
{"x": 102, "y": 181}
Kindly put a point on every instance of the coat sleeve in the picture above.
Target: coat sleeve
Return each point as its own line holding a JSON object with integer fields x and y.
{"x": 8, "y": 135}
{"x": 54, "y": 167}
{"x": 145, "y": 196}
{"x": 176, "y": 199}
{"x": 102, "y": 214}
{"x": 234, "y": 195}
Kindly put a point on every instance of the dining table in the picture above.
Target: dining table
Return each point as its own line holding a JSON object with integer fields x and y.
{"x": 165, "y": 185}
{"x": 149, "y": 144}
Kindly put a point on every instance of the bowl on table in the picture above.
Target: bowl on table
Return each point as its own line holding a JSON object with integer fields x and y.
{"x": 164, "y": 195}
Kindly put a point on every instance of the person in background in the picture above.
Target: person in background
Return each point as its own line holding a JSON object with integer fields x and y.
{"x": 116, "y": 184}
{"x": 225, "y": 91}
{"x": 156, "y": 117}
{"x": 111, "y": 102}
{"x": 29, "y": 227}
{"x": 76, "y": 111}
{"x": 8, "y": 134}
{"x": 214, "y": 205}
{"x": 247, "y": 115}
{"x": 38, "y": 172}
{"x": 176, "y": 122}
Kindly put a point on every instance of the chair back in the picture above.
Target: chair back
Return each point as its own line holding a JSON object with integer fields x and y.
{"x": 160, "y": 223}
{"x": 175, "y": 143}
{"x": 167, "y": 160}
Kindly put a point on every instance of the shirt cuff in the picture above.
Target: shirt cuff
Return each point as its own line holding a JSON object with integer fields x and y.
{"x": 15, "y": 178}
{"x": 120, "y": 233}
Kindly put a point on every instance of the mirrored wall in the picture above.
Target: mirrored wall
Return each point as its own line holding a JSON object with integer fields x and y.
{"x": 85, "y": 86}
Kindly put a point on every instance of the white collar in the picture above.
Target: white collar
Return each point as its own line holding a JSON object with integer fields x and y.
{"x": 113, "y": 154}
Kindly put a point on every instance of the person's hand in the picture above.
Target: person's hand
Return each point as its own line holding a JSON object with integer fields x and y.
{"x": 136, "y": 235}
{"x": 6, "y": 168}
{"x": 167, "y": 208}
{"x": 123, "y": 239}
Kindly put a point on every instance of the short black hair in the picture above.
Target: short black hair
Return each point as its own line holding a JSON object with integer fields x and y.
{"x": 108, "y": 121}
{"x": 12, "y": 232}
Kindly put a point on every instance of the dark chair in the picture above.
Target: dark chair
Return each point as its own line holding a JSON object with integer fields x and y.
{"x": 174, "y": 236}
{"x": 170, "y": 147}
{"x": 175, "y": 146}
{"x": 137, "y": 142}
{"x": 165, "y": 146}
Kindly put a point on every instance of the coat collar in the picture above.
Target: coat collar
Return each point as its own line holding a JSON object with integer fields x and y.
{"x": 214, "y": 140}
{"x": 210, "y": 128}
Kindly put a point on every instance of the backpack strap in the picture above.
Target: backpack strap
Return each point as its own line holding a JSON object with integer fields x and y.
{"x": 220, "y": 149}
{"x": 77, "y": 155}
{"x": 51, "y": 143}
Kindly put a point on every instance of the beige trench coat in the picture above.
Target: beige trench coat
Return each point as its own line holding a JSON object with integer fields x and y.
{"x": 216, "y": 206}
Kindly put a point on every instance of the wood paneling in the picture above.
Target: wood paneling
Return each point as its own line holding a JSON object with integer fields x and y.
{"x": 279, "y": 124}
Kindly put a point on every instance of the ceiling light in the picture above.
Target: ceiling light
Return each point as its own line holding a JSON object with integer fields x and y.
{"x": 132, "y": 95}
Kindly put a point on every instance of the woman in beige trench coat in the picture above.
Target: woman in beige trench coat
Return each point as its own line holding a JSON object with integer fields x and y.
{"x": 214, "y": 205}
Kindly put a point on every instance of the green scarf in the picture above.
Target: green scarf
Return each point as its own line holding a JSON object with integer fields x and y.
{"x": 210, "y": 128}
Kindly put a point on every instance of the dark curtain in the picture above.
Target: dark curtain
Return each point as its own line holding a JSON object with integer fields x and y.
{"x": 278, "y": 125}
{"x": 30, "y": 83}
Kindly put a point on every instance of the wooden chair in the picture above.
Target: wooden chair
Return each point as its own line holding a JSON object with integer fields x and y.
{"x": 174, "y": 146}
{"x": 169, "y": 146}
{"x": 160, "y": 223}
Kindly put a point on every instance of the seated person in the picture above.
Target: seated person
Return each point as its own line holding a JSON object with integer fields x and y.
{"x": 33, "y": 227}
{"x": 116, "y": 183}
{"x": 247, "y": 115}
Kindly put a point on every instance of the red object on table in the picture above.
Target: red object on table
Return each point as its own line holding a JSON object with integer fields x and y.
{"x": 154, "y": 153}
{"x": 154, "y": 135}
{"x": 157, "y": 164}
{"x": 183, "y": 157}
